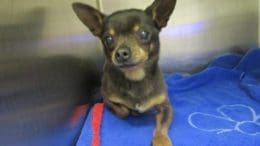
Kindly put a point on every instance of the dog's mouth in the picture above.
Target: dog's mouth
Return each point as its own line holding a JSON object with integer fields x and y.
{"x": 131, "y": 65}
{"x": 127, "y": 65}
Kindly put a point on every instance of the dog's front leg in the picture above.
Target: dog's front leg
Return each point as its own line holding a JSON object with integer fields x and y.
{"x": 163, "y": 120}
{"x": 118, "y": 109}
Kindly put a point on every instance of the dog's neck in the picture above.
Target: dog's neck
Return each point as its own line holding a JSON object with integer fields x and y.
{"x": 134, "y": 73}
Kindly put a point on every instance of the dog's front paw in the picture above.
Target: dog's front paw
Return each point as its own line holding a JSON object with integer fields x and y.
{"x": 121, "y": 111}
{"x": 161, "y": 140}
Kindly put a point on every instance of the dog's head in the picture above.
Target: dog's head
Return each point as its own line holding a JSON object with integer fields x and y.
{"x": 130, "y": 37}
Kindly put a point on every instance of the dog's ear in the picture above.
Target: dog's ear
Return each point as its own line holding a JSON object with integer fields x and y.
{"x": 90, "y": 16}
{"x": 160, "y": 11}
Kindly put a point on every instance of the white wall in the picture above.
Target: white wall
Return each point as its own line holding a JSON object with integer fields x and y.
{"x": 197, "y": 31}
{"x": 44, "y": 27}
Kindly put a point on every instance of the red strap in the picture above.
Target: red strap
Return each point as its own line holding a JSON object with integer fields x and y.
{"x": 96, "y": 123}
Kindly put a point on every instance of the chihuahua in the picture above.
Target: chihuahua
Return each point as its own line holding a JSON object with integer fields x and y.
{"x": 132, "y": 81}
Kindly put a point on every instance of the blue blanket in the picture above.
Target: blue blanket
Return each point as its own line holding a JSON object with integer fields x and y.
{"x": 219, "y": 106}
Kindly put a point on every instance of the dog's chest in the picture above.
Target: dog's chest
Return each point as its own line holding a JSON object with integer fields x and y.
{"x": 147, "y": 103}
{"x": 144, "y": 102}
{"x": 137, "y": 93}
{"x": 140, "y": 107}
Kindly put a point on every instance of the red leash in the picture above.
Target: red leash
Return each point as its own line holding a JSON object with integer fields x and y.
{"x": 96, "y": 123}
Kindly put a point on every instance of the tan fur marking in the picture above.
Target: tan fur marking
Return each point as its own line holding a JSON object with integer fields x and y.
{"x": 136, "y": 28}
{"x": 113, "y": 57}
{"x": 160, "y": 139}
{"x": 115, "y": 99}
{"x": 139, "y": 55}
{"x": 112, "y": 32}
{"x": 134, "y": 73}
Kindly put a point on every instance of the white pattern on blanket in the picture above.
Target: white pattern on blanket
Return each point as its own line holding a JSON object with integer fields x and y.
{"x": 237, "y": 117}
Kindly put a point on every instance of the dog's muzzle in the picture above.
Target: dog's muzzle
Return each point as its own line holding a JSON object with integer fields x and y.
{"x": 123, "y": 55}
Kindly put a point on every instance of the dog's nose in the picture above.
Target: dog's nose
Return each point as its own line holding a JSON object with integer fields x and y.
{"x": 123, "y": 54}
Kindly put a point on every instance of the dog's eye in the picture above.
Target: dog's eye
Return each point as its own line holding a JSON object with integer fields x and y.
{"x": 109, "y": 40}
{"x": 144, "y": 35}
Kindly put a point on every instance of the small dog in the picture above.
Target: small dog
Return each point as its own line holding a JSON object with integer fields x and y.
{"x": 132, "y": 81}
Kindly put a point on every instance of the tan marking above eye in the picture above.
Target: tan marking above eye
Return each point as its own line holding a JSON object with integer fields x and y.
{"x": 111, "y": 32}
{"x": 136, "y": 28}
